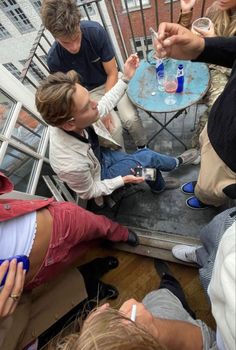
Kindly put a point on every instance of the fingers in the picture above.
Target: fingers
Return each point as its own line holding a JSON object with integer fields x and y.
{"x": 166, "y": 29}
{"x": 19, "y": 280}
{"x": 12, "y": 289}
{"x": 3, "y": 269}
{"x": 7, "y": 289}
{"x": 133, "y": 179}
{"x": 133, "y": 59}
{"x": 126, "y": 307}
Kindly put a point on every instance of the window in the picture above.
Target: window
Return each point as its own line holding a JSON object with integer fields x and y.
{"x": 6, "y": 106}
{"x": 141, "y": 46}
{"x": 28, "y": 130}
{"x": 134, "y": 4}
{"x": 37, "y": 4}
{"x": 86, "y": 9}
{"x": 35, "y": 71}
{"x": 16, "y": 15}
{"x": 4, "y": 33}
{"x": 18, "y": 166}
{"x": 12, "y": 69}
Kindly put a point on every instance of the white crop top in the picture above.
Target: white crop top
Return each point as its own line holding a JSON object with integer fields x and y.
{"x": 17, "y": 235}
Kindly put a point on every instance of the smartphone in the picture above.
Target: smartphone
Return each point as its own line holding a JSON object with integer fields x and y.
{"x": 19, "y": 258}
{"x": 148, "y": 173}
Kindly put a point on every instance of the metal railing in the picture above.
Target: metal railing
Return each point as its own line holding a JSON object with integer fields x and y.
{"x": 127, "y": 24}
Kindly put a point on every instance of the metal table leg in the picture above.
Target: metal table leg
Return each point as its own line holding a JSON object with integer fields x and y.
{"x": 164, "y": 127}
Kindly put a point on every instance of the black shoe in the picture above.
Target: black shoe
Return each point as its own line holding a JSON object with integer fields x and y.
{"x": 161, "y": 267}
{"x": 133, "y": 239}
{"x": 168, "y": 281}
{"x": 99, "y": 266}
{"x": 171, "y": 283}
{"x": 107, "y": 291}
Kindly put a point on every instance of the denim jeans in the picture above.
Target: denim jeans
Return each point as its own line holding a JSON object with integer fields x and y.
{"x": 116, "y": 163}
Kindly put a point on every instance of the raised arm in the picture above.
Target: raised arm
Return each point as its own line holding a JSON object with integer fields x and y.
{"x": 112, "y": 97}
{"x": 178, "y": 42}
{"x": 186, "y": 12}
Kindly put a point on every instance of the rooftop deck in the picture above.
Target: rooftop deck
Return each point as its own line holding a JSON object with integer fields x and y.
{"x": 163, "y": 220}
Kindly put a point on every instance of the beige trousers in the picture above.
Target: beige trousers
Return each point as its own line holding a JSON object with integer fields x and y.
{"x": 214, "y": 174}
{"x": 128, "y": 118}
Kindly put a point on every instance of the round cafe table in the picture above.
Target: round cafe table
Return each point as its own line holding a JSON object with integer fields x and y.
{"x": 143, "y": 90}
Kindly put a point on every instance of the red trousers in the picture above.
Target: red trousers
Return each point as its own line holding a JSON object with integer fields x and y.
{"x": 73, "y": 229}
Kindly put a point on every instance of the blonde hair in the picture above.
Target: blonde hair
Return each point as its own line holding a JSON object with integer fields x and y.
{"x": 53, "y": 97}
{"x": 224, "y": 22}
{"x": 108, "y": 329}
{"x": 61, "y": 18}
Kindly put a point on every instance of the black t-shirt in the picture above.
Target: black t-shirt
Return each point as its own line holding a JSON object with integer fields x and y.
{"x": 92, "y": 140}
{"x": 95, "y": 49}
{"x": 222, "y": 119}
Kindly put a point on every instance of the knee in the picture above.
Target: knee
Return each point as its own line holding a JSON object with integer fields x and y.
{"x": 230, "y": 191}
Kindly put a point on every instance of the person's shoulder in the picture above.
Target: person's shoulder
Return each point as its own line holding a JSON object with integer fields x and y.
{"x": 90, "y": 28}
{"x": 212, "y": 9}
{"x": 54, "y": 49}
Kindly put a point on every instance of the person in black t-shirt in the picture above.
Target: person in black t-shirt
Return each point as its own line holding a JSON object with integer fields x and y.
{"x": 217, "y": 177}
{"x": 86, "y": 48}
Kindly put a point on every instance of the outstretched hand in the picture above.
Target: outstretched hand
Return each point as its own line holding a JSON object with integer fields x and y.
{"x": 131, "y": 65}
{"x": 178, "y": 42}
{"x": 13, "y": 287}
{"x": 131, "y": 179}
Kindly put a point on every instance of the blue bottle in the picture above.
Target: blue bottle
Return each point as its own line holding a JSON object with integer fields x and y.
{"x": 159, "y": 67}
{"x": 180, "y": 78}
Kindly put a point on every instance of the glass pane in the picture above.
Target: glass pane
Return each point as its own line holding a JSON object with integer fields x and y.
{"x": 5, "y": 108}
{"x": 18, "y": 166}
{"x": 28, "y": 130}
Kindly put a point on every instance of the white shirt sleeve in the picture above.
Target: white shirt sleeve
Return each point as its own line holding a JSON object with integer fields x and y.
{"x": 111, "y": 98}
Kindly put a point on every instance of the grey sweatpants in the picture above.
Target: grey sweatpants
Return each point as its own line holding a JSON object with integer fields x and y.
{"x": 163, "y": 304}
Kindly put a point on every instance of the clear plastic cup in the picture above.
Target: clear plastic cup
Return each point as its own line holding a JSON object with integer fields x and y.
{"x": 202, "y": 23}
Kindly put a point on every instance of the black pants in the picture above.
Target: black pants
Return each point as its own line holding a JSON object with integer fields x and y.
{"x": 169, "y": 282}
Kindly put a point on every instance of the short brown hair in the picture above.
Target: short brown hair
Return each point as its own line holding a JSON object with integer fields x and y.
{"x": 61, "y": 18}
{"x": 53, "y": 97}
{"x": 110, "y": 330}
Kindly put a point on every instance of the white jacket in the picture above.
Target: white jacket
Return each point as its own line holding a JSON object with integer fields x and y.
{"x": 74, "y": 161}
{"x": 222, "y": 289}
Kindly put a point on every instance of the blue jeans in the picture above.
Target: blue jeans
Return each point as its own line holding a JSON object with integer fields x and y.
{"x": 116, "y": 163}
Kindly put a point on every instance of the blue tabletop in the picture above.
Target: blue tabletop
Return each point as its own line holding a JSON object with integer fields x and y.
{"x": 144, "y": 93}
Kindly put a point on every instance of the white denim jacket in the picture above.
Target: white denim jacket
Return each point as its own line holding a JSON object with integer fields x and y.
{"x": 74, "y": 161}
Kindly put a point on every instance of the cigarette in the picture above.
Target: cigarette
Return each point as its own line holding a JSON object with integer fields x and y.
{"x": 133, "y": 312}
{"x": 153, "y": 32}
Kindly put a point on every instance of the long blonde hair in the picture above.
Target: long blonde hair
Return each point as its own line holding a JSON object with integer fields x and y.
{"x": 109, "y": 330}
{"x": 224, "y": 22}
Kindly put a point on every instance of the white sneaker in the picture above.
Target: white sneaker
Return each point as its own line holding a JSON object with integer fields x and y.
{"x": 191, "y": 156}
{"x": 185, "y": 253}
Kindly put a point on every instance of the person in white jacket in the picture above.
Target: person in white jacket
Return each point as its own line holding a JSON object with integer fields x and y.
{"x": 82, "y": 151}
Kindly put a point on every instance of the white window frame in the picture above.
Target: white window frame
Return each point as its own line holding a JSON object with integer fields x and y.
{"x": 17, "y": 16}
{"x": 12, "y": 69}
{"x": 4, "y": 34}
{"x": 34, "y": 70}
{"x": 89, "y": 7}
{"x": 36, "y": 4}
{"x": 135, "y": 4}
{"x": 142, "y": 47}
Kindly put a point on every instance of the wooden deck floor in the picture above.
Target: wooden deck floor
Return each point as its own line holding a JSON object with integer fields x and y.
{"x": 136, "y": 276}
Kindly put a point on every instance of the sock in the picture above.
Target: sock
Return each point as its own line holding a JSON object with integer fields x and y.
{"x": 141, "y": 147}
{"x": 180, "y": 162}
